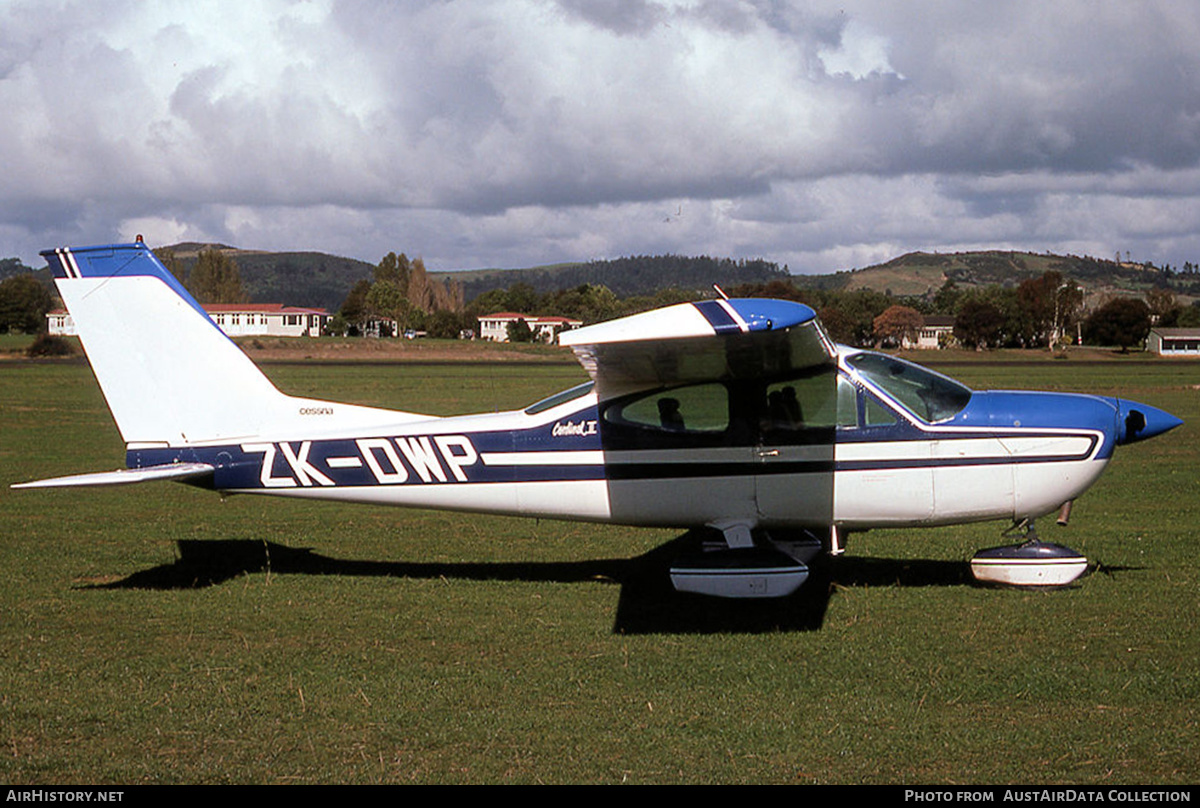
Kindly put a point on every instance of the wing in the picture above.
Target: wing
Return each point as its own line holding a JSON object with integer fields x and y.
{"x": 173, "y": 471}
{"x": 711, "y": 339}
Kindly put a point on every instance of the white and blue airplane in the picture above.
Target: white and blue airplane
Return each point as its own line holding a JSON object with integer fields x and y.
{"x": 736, "y": 415}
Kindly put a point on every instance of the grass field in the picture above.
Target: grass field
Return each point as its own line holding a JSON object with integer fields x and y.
{"x": 157, "y": 634}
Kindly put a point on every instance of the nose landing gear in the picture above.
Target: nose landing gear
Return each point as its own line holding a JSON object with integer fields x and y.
{"x": 1032, "y": 563}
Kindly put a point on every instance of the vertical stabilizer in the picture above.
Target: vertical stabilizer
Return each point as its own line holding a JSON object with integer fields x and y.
{"x": 169, "y": 374}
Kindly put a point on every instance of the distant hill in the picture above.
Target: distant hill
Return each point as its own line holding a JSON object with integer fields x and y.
{"x": 921, "y": 273}
{"x": 627, "y": 277}
{"x": 292, "y": 278}
{"x": 14, "y": 266}
{"x": 10, "y": 267}
{"x": 319, "y": 279}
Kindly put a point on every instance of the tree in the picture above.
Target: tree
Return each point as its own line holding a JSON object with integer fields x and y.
{"x": 522, "y": 298}
{"x": 13, "y": 266}
{"x": 519, "y": 331}
{"x": 1164, "y": 310}
{"x": 49, "y": 345}
{"x": 1189, "y": 317}
{"x": 386, "y": 300}
{"x": 167, "y": 258}
{"x": 354, "y": 308}
{"x": 23, "y": 304}
{"x": 947, "y": 297}
{"x": 858, "y": 310}
{"x": 489, "y": 302}
{"x": 839, "y": 326}
{"x": 447, "y": 324}
{"x": 1068, "y": 306}
{"x": 337, "y": 326}
{"x": 1123, "y": 321}
{"x": 394, "y": 269}
{"x": 979, "y": 324}
{"x": 898, "y": 325}
{"x": 1039, "y": 306}
{"x": 216, "y": 279}
{"x": 420, "y": 292}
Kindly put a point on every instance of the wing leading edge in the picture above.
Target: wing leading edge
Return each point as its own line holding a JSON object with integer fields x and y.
{"x": 692, "y": 342}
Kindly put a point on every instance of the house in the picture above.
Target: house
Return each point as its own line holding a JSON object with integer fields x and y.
{"x": 937, "y": 332}
{"x": 1174, "y": 341}
{"x": 494, "y": 327}
{"x": 235, "y": 319}
{"x": 59, "y": 322}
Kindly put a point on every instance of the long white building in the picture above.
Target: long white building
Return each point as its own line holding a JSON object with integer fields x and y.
{"x": 236, "y": 320}
{"x": 494, "y": 327}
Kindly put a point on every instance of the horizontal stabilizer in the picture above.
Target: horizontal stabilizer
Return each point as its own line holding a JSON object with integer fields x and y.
{"x": 173, "y": 471}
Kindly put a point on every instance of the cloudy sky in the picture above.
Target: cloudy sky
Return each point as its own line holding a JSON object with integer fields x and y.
{"x": 823, "y": 135}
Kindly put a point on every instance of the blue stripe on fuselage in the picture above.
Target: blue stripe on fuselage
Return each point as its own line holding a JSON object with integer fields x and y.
{"x": 558, "y": 450}
{"x": 495, "y": 458}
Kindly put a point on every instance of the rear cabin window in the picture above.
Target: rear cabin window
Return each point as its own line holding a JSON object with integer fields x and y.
{"x": 700, "y": 408}
{"x": 578, "y": 391}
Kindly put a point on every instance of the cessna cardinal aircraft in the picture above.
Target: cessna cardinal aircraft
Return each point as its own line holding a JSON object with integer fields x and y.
{"x": 739, "y": 415}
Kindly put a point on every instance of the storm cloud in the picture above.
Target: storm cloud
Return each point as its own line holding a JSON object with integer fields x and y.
{"x": 820, "y": 135}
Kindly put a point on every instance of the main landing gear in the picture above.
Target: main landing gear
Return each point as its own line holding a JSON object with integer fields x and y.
{"x": 734, "y": 561}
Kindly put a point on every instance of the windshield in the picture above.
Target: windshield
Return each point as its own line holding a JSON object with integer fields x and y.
{"x": 929, "y": 396}
{"x": 578, "y": 391}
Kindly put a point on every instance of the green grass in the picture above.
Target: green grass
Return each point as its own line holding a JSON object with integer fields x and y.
{"x": 16, "y": 344}
{"x": 327, "y": 643}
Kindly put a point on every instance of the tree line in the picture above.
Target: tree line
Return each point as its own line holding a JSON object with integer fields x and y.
{"x": 1037, "y": 312}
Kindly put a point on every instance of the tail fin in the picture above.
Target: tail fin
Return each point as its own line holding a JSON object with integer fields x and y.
{"x": 170, "y": 375}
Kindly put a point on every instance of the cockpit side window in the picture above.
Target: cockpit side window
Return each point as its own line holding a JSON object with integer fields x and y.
{"x": 858, "y": 408}
{"x": 875, "y": 414}
{"x": 927, "y": 395}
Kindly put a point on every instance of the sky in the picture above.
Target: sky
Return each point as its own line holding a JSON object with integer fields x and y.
{"x": 820, "y": 135}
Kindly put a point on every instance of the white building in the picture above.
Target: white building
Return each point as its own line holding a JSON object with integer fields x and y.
{"x": 267, "y": 319}
{"x": 494, "y": 327}
{"x": 236, "y": 320}
{"x": 60, "y": 323}
{"x": 936, "y": 333}
{"x": 1174, "y": 341}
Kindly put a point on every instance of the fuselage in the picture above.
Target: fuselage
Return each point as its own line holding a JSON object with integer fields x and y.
{"x": 870, "y": 442}
{"x": 734, "y": 414}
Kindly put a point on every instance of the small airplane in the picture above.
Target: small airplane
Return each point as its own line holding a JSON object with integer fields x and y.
{"x": 738, "y": 418}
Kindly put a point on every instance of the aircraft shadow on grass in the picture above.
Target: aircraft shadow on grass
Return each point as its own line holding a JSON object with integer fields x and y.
{"x": 648, "y": 604}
